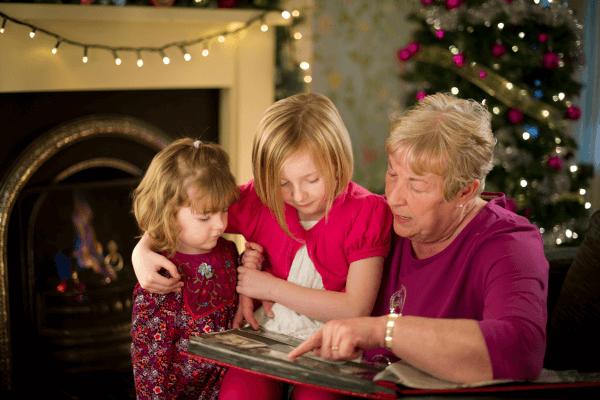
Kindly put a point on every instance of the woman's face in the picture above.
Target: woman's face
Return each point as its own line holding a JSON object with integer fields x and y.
{"x": 420, "y": 212}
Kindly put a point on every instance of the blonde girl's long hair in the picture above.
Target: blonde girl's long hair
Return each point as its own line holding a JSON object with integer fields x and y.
{"x": 304, "y": 122}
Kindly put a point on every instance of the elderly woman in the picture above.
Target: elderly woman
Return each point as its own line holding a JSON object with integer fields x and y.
{"x": 463, "y": 296}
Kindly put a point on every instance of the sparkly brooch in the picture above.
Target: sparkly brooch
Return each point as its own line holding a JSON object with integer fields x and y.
{"x": 205, "y": 270}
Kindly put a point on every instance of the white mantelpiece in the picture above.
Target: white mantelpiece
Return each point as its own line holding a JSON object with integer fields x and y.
{"x": 243, "y": 66}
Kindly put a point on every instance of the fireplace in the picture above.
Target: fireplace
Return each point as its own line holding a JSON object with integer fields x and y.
{"x": 241, "y": 70}
{"x": 68, "y": 246}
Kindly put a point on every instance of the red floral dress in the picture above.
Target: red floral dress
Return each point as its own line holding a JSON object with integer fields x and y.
{"x": 163, "y": 323}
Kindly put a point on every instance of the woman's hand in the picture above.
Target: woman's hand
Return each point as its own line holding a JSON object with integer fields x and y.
{"x": 147, "y": 263}
{"x": 344, "y": 339}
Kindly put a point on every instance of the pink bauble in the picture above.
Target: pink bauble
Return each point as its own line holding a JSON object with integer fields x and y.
{"x": 551, "y": 61}
{"x": 555, "y": 162}
{"x": 459, "y": 59}
{"x": 427, "y": 1}
{"x": 404, "y": 54}
{"x": 421, "y": 94}
{"x": 482, "y": 74}
{"x": 451, "y": 4}
{"x": 515, "y": 116}
{"x": 527, "y": 211}
{"x": 498, "y": 50}
{"x": 573, "y": 113}
{"x": 543, "y": 37}
{"x": 413, "y": 47}
{"x": 227, "y": 3}
{"x": 508, "y": 1}
{"x": 440, "y": 34}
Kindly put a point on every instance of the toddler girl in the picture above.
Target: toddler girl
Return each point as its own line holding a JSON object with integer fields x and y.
{"x": 182, "y": 205}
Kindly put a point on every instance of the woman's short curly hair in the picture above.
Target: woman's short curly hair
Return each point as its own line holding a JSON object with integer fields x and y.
{"x": 163, "y": 190}
{"x": 446, "y": 136}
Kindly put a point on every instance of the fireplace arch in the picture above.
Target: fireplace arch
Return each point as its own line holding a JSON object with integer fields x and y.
{"x": 68, "y": 157}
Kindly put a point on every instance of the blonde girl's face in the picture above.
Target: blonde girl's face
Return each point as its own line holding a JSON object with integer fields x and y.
{"x": 303, "y": 188}
{"x": 199, "y": 232}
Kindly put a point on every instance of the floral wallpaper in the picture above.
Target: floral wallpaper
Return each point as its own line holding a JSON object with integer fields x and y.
{"x": 354, "y": 64}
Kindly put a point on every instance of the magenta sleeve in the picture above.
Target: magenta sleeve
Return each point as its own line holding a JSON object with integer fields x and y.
{"x": 515, "y": 312}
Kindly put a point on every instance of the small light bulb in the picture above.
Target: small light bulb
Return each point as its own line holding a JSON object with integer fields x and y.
{"x": 186, "y": 55}
{"x": 117, "y": 59}
{"x": 304, "y": 65}
{"x": 221, "y": 39}
{"x": 140, "y": 62}
{"x": 582, "y": 191}
{"x": 509, "y": 86}
{"x": 55, "y": 49}
{"x": 264, "y": 27}
{"x": 573, "y": 168}
{"x": 295, "y": 13}
{"x": 297, "y": 36}
{"x": 32, "y": 33}
{"x": 588, "y": 205}
{"x": 496, "y": 110}
{"x": 204, "y": 50}
{"x": 561, "y": 96}
{"x": 286, "y": 14}
{"x": 308, "y": 79}
{"x": 523, "y": 183}
{"x": 165, "y": 59}
{"x": 522, "y": 35}
{"x": 85, "y": 57}
{"x": 3, "y": 25}
{"x": 546, "y": 113}
{"x": 454, "y": 91}
{"x": 501, "y": 26}
{"x": 526, "y": 135}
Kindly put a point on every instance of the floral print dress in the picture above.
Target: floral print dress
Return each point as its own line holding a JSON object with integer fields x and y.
{"x": 163, "y": 323}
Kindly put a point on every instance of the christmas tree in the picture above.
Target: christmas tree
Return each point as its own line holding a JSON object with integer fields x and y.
{"x": 519, "y": 58}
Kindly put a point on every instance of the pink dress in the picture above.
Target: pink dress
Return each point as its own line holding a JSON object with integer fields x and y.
{"x": 163, "y": 323}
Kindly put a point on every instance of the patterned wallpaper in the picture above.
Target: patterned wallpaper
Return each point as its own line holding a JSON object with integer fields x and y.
{"x": 354, "y": 64}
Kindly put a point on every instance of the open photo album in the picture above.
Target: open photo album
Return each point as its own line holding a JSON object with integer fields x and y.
{"x": 266, "y": 353}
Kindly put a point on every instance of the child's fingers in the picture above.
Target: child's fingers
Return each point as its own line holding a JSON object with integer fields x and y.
{"x": 267, "y": 306}
{"x": 254, "y": 246}
{"x": 238, "y": 319}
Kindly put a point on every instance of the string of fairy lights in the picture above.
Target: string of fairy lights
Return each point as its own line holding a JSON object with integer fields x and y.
{"x": 182, "y": 46}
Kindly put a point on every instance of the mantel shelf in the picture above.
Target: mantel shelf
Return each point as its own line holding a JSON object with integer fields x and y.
{"x": 69, "y": 12}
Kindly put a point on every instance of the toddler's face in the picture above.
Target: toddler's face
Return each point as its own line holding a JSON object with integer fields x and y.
{"x": 303, "y": 188}
{"x": 199, "y": 232}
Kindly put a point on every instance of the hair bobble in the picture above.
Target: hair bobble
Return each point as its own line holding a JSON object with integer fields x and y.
{"x": 197, "y": 144}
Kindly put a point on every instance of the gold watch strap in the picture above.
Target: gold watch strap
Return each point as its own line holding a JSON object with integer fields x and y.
{"x": 389, "y": 329}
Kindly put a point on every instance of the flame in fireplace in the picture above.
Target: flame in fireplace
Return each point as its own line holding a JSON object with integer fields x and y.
{"x": 88, "y": 251}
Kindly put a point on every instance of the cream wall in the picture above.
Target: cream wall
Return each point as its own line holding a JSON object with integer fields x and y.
{"x": 243, "y": 66}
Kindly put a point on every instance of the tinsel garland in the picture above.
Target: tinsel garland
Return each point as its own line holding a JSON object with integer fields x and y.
{"x": 494, "y": 85}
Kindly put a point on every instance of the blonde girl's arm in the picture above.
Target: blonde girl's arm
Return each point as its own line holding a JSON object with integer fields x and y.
{"x": 147, "y": 263}
{"x": 362, "y": 285}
